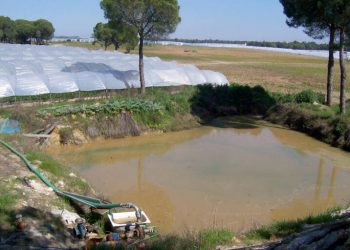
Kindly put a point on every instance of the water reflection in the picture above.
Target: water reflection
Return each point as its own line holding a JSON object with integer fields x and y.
{"x": 133, "y": 187}
{"x": 302, "y": 207}
{"x": 111, "y": 151}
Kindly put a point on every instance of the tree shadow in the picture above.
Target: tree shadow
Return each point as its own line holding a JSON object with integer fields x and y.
{"x": 126, "y": 76}
{"x": 232, "y": 106}
{"x": 237, "y": 122}
{"x": 41, "y": 230}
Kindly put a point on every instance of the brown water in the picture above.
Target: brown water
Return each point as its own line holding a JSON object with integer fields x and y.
{"x": 226, "y": 177}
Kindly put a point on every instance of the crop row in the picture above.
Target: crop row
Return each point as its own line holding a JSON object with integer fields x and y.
{"x": 109, "y": 107}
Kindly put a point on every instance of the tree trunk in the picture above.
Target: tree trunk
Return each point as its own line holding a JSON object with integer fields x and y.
{"x": 342, "y": 72}
{"x": 141, "y": 67}
{"x": 330, "y": 65}
{"x": 116, "y": 46}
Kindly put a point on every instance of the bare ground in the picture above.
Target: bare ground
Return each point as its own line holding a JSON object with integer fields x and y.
{"x": 34, "y": 202}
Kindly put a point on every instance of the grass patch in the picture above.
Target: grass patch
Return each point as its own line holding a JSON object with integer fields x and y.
{"x": 46, "y": 163}
{"x": 8, "y": 199}
{"x": 282, "y": 229}
{"x": 58, "y": 172}
{"x": 203, "y": 240}
{"x": 209, "y": 239}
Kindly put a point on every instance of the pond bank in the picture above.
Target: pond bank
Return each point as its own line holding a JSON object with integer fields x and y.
{"x": 177, "y": 111}
{"x": 334, "y": 231}
{"x": 334, "y": 131}
{"x": 26, "y": 199}
{"x": 235, "y": 164}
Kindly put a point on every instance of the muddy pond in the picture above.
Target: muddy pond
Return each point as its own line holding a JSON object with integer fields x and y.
{"x": 234, "y": 175}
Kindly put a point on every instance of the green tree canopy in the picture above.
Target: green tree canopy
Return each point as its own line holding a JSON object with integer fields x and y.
{"x": 317, "y": 19}
{"x": 25, "y": 30}
{"x": 44, "y": 30}
{"x": 150, "y": 18}
{"x": 117, "y": 34}
{"x": 7, "y": 30}
{"x": 103, "y": 33}
{"x": 321, "y": 18}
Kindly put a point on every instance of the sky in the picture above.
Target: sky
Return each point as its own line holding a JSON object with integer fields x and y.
{"x": 252, "y": 20}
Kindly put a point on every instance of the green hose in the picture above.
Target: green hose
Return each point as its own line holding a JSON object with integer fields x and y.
{"x": 92, "y": 202}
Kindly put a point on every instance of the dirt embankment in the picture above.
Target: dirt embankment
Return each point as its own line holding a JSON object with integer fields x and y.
{"x": 334, "y": 131}
{"x": 77, "y": 132}
{"x": 23, "y": 195}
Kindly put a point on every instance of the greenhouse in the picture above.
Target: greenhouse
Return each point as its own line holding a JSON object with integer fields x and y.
{"x": 27, "y": 70}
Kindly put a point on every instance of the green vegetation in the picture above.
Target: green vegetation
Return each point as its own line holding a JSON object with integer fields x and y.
{"x": 203, "y": 240}
{"x": 8, "y": 200}
{"x": 159, "y": 109}
{"x": 321, "y": 19}
{"x": 232, "y": 100}
{"x": 305, "y": 96}
{"x": 166, "y": 108}
{"x": 276, "y": 72}
{"x": 57, "y": 172}
{"x": 149, "y": 19}
{"x": 116, "y": 34}
{"x": 321, "y": 122}
{"x": 282, "y": 229}
{"x": 24, "y": 31}
{"x": 54, "y": 97}
{"x": 109, "y": 107}
{"x": 211, "y": 238}
{"x": 170, "y": 109}
{"x": 66, "y": 135}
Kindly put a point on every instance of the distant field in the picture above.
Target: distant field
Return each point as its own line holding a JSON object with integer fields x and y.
{"x": 275, "y": 71}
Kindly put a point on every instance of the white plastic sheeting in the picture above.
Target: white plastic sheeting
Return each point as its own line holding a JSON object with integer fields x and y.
{"x": 318, "y": 53}
{"x": 27, "y": 70}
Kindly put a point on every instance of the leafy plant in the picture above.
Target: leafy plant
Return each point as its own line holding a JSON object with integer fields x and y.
{"x": 109, "y": 107}
{"x": 309, "y": 96}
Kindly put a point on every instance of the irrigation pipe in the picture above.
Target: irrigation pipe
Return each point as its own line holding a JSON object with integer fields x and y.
{"x": 90, "y": 201}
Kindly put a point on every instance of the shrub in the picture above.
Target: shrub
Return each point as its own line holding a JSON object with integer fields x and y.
{"x": 283, "y": 98}
{"x": 347, "y": 139}
{"x": 309, "y": 96}
{"x": 305, "y": 96}
{"x": 323, "y": 124}
{"x": 66, "y": 135}
{"x": 262, "y": 100}
{"x": 232, "y": 100}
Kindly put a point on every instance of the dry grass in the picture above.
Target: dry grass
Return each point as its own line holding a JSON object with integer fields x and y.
{"x": 280, "y": 72}
{"x": 275, "y": 71}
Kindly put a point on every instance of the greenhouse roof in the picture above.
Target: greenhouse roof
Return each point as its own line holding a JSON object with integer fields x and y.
{"x": 27, "y": 70}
